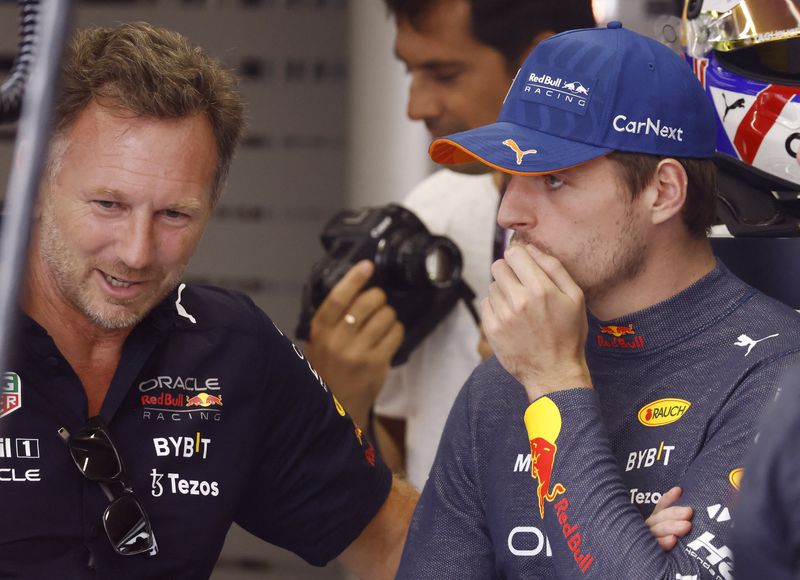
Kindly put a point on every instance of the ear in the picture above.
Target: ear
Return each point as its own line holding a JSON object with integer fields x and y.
{"x": 669, "y": 188}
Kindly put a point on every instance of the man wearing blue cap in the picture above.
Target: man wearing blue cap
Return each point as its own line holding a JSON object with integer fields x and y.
{"x": 607, "y": 138}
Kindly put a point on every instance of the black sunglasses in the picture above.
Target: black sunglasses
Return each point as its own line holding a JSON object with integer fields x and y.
{"x": 125, "y": 521}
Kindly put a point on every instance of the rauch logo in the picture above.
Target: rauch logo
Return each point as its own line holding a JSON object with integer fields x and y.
{"x": 663, "y": 412}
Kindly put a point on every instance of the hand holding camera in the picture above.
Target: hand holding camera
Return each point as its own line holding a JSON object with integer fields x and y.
{"x": 419, "y": 273}
{"x": 353, "y": 337}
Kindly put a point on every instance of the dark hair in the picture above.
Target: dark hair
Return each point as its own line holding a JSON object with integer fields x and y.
{"x": 151, "y": 72}
{"x": 509, "y": 26}
{"x": 699, "y": 210}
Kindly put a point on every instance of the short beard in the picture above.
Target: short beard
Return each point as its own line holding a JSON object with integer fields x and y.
{"x": 626, "y": 262}
{"x": 63, "y": 269}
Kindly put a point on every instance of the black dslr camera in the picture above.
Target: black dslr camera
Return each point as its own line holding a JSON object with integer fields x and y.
{"x": 420, "y": 272}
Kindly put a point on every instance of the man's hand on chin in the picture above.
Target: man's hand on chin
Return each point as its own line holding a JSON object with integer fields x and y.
{"x": 535, "y": 321}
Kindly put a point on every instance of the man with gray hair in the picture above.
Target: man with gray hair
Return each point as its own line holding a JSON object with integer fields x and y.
{"x": 142, "y": 416}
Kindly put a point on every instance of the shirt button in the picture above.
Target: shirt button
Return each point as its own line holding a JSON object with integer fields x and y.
{"x": 52, "y": 361}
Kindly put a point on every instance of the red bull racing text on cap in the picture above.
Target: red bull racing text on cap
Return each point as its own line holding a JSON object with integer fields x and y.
{"x": 584, "y": 93}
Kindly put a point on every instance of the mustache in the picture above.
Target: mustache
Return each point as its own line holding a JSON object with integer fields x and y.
{"x": 124, "y": 272}
{"x": 522, "y": 238}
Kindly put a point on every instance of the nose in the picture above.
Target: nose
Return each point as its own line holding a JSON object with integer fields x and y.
{"x": 517, "y": 207}
{"x": 136, "y": 242}
{"x": 422, "y": 102}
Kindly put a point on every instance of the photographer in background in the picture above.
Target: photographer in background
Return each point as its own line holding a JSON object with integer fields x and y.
{"x": 462, "y": 56}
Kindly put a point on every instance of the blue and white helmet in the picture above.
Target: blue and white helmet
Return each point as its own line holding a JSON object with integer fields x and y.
{"x": 746, "y": 54}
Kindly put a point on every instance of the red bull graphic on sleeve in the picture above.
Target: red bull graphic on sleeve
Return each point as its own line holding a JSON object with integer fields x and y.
{"x": 615, "y": 337}
{"x": 339, "y": 407}
{"x": 369, "y": 450}
{"x": 10, "y": 394}
{"x": 543, "y": 423}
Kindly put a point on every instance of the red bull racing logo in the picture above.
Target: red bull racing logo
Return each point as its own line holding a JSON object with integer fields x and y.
{"x": 543, "y": 422}
{"x": 618, "y": 341}
{"x": 204, "y": 400}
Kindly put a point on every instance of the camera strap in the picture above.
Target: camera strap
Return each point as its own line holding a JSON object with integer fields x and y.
{"x": 467, "y": 294}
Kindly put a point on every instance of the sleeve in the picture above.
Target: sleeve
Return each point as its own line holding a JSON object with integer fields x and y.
{"x": 766, "y": 539}
{"x": 594, "y": 530}
{"x": 448, "y": 538}
{"x": 317, "y": 481}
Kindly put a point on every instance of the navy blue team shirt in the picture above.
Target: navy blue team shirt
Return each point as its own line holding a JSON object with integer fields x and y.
{"x": 217, "y": 418}
{"x": 678, "y": 388}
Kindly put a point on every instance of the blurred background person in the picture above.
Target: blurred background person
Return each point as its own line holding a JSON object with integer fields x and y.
{"x": 461, "y": 56}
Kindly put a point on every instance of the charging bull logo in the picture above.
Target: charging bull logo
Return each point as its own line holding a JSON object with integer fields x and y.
{"x": 617, "y": 330}
{"x": 204, "y": 400}
{"x": 543, "y": 422}
{"x": 576, "y": 87}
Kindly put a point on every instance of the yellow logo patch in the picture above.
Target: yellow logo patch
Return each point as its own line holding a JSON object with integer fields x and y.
{"x": 735, "y": 477}
{"x": 662, "y": 412}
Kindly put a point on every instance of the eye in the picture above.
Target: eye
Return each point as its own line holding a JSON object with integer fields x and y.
{"x": 446, "y": 77}
{"x": 446, "y": 73}
{"x": 174, "y": 215}
{"x": 106, "y": 204}
{"x": 553, "y": 181}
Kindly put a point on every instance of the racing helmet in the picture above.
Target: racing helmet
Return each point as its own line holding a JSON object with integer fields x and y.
{"x": 746, "y": 54}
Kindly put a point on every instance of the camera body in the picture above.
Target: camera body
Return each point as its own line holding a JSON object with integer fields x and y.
{"x": 420, "y": 272}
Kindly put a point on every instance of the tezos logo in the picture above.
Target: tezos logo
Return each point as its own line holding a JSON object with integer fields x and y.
{"x": 644, "y": 497}
{"x": 663, "y": 412}
{"x": 176, "y": 485}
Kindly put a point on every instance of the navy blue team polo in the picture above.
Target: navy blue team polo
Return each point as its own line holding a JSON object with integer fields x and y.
{"x": 217, "y": 418}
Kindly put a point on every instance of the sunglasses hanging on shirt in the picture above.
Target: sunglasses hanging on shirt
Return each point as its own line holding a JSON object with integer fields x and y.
{"x": 125, "y": 520}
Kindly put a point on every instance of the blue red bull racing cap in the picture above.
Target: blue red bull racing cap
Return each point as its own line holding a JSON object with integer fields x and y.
{"x": 584, "y": 93}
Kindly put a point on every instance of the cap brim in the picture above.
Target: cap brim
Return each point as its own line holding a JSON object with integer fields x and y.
{"x": 513, "y": 149}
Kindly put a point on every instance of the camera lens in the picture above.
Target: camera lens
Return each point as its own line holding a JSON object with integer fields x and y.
{"x": 441, "y": 265}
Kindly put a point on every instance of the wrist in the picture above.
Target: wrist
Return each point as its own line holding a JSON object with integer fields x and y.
{"x": 543, "y": 385}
